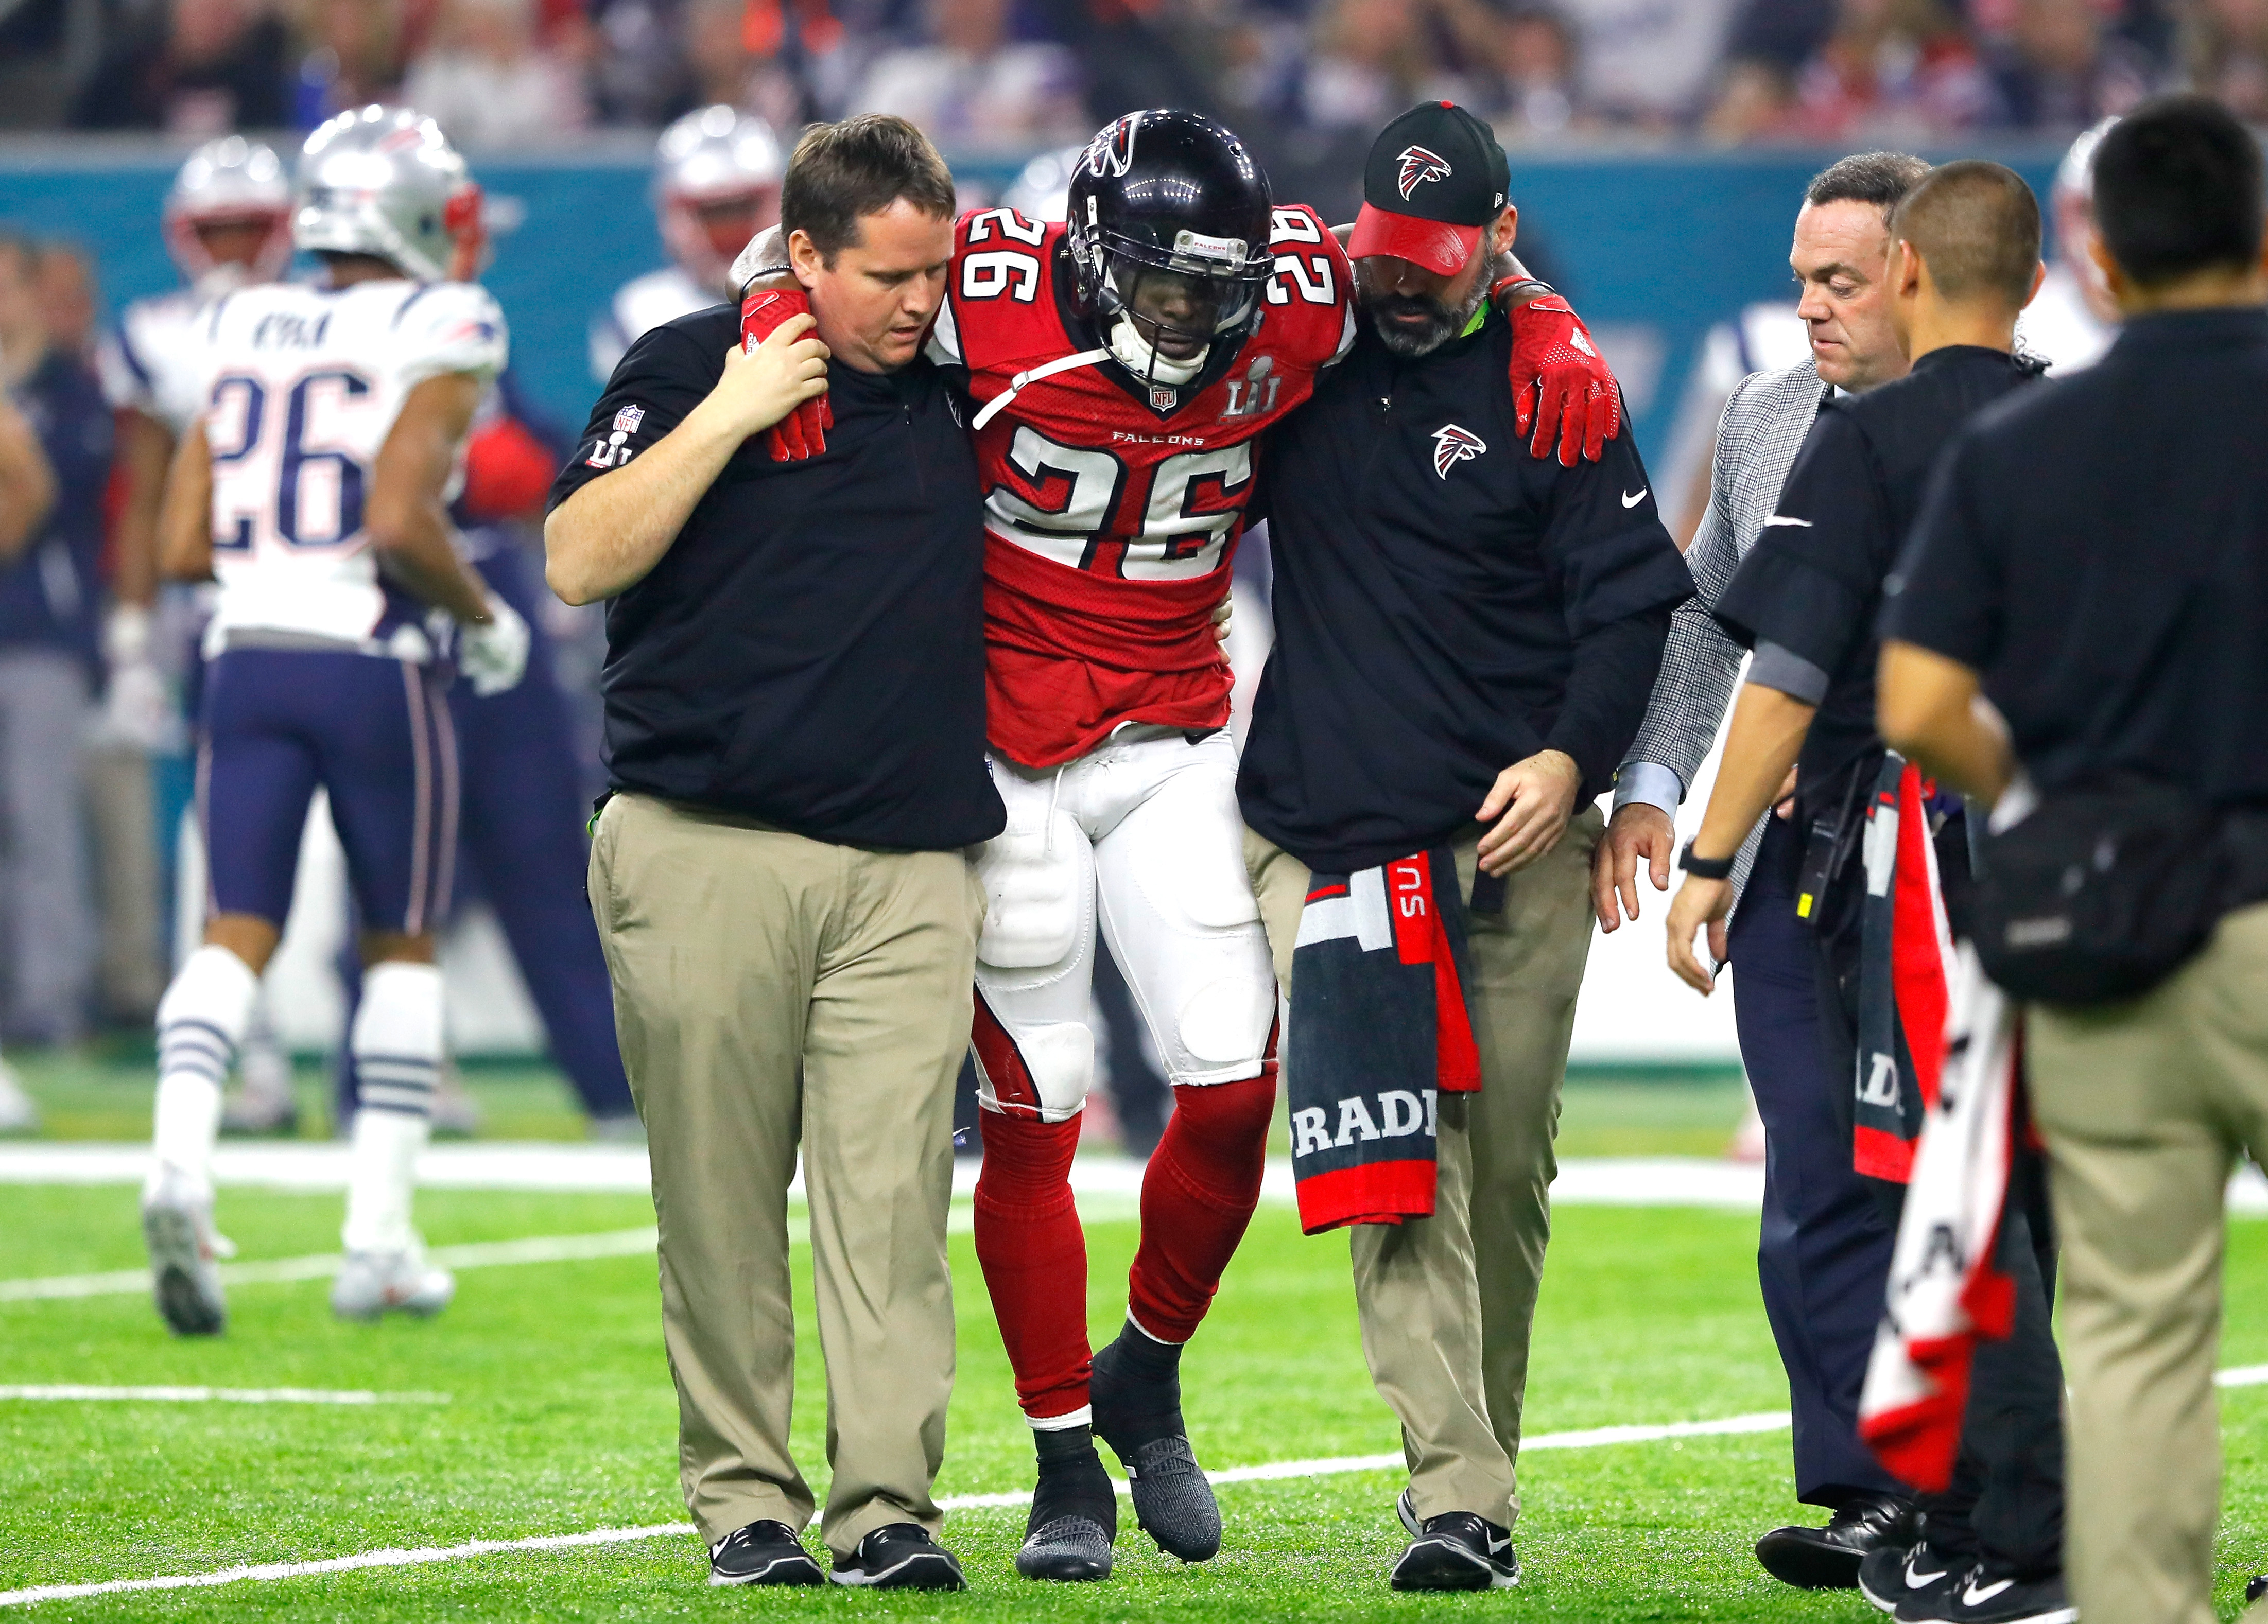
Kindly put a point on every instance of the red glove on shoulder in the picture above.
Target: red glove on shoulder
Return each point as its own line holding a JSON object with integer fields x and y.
{"x": 802, "y": 433}
{"x": 1561, "y": 382}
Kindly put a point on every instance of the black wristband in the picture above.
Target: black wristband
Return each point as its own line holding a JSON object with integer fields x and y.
{"x": 1707, "y": 868}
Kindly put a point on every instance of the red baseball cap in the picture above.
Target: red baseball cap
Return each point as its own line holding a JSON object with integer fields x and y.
{"x": 1435, "y": 179}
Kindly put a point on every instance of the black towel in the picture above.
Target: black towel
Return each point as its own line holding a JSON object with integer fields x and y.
{"x": 1379, "y": 1027}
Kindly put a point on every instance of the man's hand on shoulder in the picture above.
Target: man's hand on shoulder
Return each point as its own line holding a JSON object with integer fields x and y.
{"x": 1562, "y": 388}
{"x": 1640, "y": 829}
{"x": 802, "y": 432}
{"x": 1530, "y": 805}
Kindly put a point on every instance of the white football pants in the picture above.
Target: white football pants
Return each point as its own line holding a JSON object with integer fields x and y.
{"x": 1141, "y": 833}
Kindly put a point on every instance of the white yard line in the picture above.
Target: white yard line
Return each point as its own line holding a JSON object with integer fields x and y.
{"x": 267, "y": 1271}
{"x": 1278, "y": 1471}
{"x": 73, "y": 1393}
{"x": 1272, "y": 1472}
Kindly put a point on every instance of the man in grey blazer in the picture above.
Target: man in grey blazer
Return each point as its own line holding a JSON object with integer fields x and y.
{"x": 1825, "y": 1248}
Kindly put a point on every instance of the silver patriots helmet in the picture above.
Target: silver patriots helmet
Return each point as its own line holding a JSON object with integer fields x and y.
{"x": 230, "y": 182}
{"x": 716, "y": 175}
{"x": 385, "y": 181}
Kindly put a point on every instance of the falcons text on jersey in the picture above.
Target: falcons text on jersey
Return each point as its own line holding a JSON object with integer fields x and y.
{"x": 1112, "y": 504}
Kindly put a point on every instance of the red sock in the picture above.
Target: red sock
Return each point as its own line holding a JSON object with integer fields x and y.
{"x": 1197, "y": 1195}
{"x": 1033, "y": 1254}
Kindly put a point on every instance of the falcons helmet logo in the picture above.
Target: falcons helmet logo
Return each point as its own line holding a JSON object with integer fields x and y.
{"x": 1417, "y": 167}
{"x": 1111, "y": 153}
{"x": 1453, "y": 445}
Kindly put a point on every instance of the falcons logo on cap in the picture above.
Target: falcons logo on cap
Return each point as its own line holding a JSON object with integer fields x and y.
{"x": 1453, "y": 445}
{"x": 1417, "y": 167}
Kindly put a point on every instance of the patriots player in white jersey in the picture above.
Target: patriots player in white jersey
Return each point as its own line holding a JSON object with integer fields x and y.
{"x": 227, "y": 223}
{"x": 312, "y": 486}
{"x": 716, "y": 175}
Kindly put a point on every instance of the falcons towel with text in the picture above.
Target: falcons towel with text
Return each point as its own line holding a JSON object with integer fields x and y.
{"x": 1946, "y": 1286}
{"x": 1905, "y": 960}
{"x": 1379, "y": 1028}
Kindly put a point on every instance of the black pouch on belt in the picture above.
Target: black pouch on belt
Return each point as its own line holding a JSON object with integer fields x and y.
{"x": 2102, "y": 892}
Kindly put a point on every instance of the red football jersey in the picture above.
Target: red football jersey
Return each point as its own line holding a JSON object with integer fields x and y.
{"x": 1112, "y": 507}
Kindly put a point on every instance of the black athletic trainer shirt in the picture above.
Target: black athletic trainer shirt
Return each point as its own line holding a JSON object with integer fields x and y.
{"x": 810, "y": 651}
{"x": 1808, "y": 594}
{"x": 1446, "y": 604}
{"x": 2097, "y": 549}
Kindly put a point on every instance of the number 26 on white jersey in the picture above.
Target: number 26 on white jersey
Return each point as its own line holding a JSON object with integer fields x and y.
{"x": 283, "y": 475}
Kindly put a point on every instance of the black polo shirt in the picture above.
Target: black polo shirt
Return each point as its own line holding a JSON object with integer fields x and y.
{"x": 810, "y": 651}
{"x": 1446, "y": 604}
{"x": 1812, "y": 587}
{"x": 2097, "y": 550}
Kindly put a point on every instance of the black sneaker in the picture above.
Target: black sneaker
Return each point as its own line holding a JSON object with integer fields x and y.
{"x": 899, "y": 1556}
{"x": 1138, "y": 1412}
{"x": 1074, "y": 1511}
{"x": 1981, "y": 1598}
{"x": 1828, "y": 1559}
{"x": 1458, "y": 1551}
{"x": 1906, "y": 1582}
{"x": 766, "y": 1552}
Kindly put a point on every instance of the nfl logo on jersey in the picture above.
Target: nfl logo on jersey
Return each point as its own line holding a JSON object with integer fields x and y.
{"x": 628, "y": 419}
{"x": 1163, "y": 400}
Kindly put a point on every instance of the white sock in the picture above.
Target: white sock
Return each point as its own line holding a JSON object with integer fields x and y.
{"x": 397, "y": 1051}
{"x": 200, "y": 1022}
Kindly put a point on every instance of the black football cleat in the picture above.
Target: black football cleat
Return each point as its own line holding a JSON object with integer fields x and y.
{"x": 766, "y": 1552}
{"x": 899, "y": 1556}
{"x": 1074, "y": 1511}
{"x": 1828, "y": 1558}
{"x": 1458, "y": 1551}
{"x": 1138, "y": 1412}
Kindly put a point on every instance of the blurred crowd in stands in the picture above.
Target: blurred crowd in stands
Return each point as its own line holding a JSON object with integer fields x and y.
{"x": 999, "y": 75}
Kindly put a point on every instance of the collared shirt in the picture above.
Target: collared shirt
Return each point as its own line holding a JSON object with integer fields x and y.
{"x": 1808, "y": 594}
{"x": 2097, "y": 550}
{"x": 1446, "y": 604}
{"x": 810, "y": 651}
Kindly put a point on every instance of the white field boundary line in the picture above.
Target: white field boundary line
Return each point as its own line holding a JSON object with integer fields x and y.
{"x": 471, "y": 1254}
{"x": 71, "y": 1392}
{"x": 1593, "y": 1437}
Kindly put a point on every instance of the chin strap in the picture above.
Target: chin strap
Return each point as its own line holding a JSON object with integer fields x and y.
{"x": 1016, "y": 385}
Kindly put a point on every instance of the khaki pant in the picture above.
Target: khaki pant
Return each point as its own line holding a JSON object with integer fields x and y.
{"x": 770, "y": 989}
{"x": 2145, "y": 1106}
{"x": 1446, "y": 1341}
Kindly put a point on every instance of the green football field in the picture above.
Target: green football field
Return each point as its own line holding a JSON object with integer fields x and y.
{"x": 540, "y": 1406}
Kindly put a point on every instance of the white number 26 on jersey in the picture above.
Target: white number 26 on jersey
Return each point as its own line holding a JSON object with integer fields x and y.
{"x": 1179, "y": 540}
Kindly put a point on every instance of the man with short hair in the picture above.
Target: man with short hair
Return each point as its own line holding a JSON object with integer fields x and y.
{"x": 1823, "y": 1255}
{"x": 794, "y": 692}
{"x": 2091, "y": 564}
{"x": 1964, "y": 262}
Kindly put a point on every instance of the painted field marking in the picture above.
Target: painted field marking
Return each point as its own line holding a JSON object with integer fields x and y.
{"x": 471, "y": 1254}
{"x": 71, "y": 1392}
{"x": 1591, "y": 1437}
{"x": 269, "y": 1271}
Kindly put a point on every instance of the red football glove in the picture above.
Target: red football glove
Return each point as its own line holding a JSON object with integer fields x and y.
{"x": 803, "y": 432}
{"x": 1561, "y": 382}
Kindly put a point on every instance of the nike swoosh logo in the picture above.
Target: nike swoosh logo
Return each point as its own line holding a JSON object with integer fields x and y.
{"x": 1917, "y": 1580}
{"x": 1775, "y": 519}
{"x": 1632, "y": 502}
{"x": 1972, "y": 1597}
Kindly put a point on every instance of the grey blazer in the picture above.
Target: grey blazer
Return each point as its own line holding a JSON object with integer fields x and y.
{"x": 1762, "y": 430}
